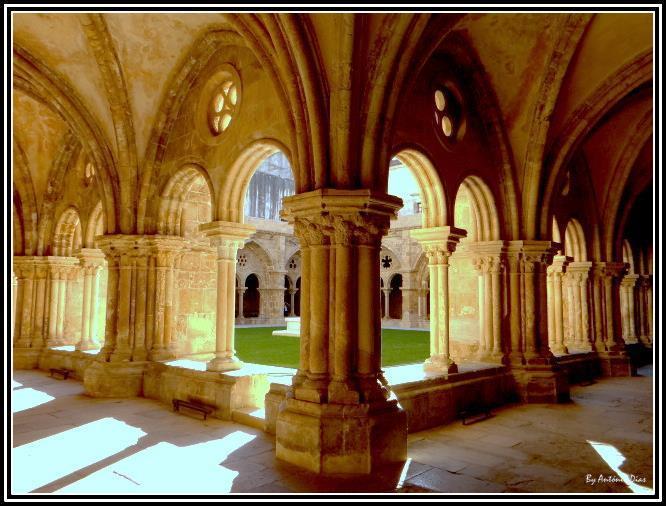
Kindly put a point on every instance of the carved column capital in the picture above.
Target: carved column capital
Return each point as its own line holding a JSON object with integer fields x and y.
{"x": 227, "y": 237}
{"x": 24, "y": 267}
{"x": 311, "y": 232}
{"x": 346, "y": 217}
{"x": 438, "y": 242}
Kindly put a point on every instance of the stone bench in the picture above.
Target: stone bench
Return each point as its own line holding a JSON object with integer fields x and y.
{"x": 194, "y": 405}
{"x": 64, "y": 373}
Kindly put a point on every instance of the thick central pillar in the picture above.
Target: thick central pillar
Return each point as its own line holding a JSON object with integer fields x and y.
{"x": 140, "y": 311}
{"x": 628, "y": 308}
{"x": 228, "y": 238}
{"x": 438, "y": 244}
{"x": 606, "y": 279}
{"x": 538, "y": 377}
{"x": 339, "y": 416}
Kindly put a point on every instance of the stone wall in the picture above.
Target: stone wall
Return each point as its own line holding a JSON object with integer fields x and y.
{"x": 197, "y": 295}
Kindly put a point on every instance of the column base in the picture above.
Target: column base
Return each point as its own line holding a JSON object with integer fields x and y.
{"x": 581, "y": 348}
{"x": 160, "y": 355}
{"x": 541, "y": 384}
{"x": 440, "y": 364}
{"x": 492, "y": 358}
{"x": 220, "y": 364}
{"x": 26, "y": 358}
{"x": 559, "y": 350}
{"x": 114, "y": 379}
{"x": 645, "y": 341}
{"x": 341, "y": 439}
{"x": 616, "y": 363}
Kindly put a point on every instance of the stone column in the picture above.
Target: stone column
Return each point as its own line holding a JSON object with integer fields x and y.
{"x": 387, "y": 294}
{"x": 25, "y": 357}
{"x": 489, "y": 261}
{"x": 598, "y": 323}
{"x": 438, "y": 244}
{"x": 228, "y": 238}
{"x": 292, "y": 296}
{"x": 648, "y": 312}
{"x": 54, "y": 288}
{"x": 241, "y": 292}
{"x": 92, "y": 261}
{"x": 612, "y": 353}
{"x": 140, "y": 296}
{"x": 339, "y": 416}
{"x": 644, "y": 309}
{"x": 59, "y": 271}
{"x": 555, "y": 273}
{"x": 14, "y": 294}
{"x": 578, "y": 275}
{"x": 628, "y": 308}
{"x": 613, "y": 273}
{"x": 62, "y": 305}
{"x": 272, "y": 298}
{"x": 538, "y": 377}
{"x": 140, "y": 315}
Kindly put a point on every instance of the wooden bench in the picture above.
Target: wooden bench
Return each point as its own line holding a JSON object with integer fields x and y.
{"x": 194, "y": 405}
{"x": 475, "y": 413}
{"x": 64, "y": 373}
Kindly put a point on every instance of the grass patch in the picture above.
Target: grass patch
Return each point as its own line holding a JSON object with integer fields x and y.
{"x": 257, "y": 345}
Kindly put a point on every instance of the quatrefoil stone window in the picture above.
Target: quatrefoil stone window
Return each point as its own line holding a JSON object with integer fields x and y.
{"x": 223, "y": 106}
{"x": 292, "y": 264}
{"x": 386, "y": 262}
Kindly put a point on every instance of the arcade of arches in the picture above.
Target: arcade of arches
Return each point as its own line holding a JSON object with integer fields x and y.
{"x": 486, "y": 177}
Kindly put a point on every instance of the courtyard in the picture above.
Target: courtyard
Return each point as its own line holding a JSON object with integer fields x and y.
{"x": 258, "y": 345}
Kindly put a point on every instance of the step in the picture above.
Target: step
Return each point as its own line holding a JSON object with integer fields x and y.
{"x": 252, "y": 417}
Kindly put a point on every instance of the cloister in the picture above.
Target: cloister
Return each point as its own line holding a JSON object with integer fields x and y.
{"x": 177, "y": 176}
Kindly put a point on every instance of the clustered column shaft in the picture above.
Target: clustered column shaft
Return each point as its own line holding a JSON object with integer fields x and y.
{"x": 228, "y": 238}
{"x": 438, "y": 244}
{"x": 141, "y": 297}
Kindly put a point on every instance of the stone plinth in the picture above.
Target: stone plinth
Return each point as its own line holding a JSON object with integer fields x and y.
{"x": 67, "y": 358}
{"x": 336, "y": 438}
{"x": 165, "y": 382}
{"x": 616, "y": 363}
{"x": 428, "y": 399}
{"x": 114, "y": 379}
{"x": 541, "y": 384}
{"x": 293, "y": 328}
{"x": 26, "y": 358}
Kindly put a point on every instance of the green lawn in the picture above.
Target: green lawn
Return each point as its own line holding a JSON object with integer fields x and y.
{"x": 259, "y": 346}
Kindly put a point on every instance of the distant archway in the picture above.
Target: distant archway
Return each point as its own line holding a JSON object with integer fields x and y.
{"x": 67, "y": 237}
{"x": 232, "y": 207}
{"x": 252, "y": 297}
{"x": 433, "y": 206}
{"x": 395, "y": 297}
{"x": 574, "y": 241}
{"x": 628, "y": 256}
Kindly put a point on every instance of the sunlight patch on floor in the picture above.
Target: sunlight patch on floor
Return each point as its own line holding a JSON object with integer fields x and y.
{"x": 27, "y": 398}
{"x": 167, "y": 468}
{"x": 45, "y": 460}
{"x": 614, "y": 458}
